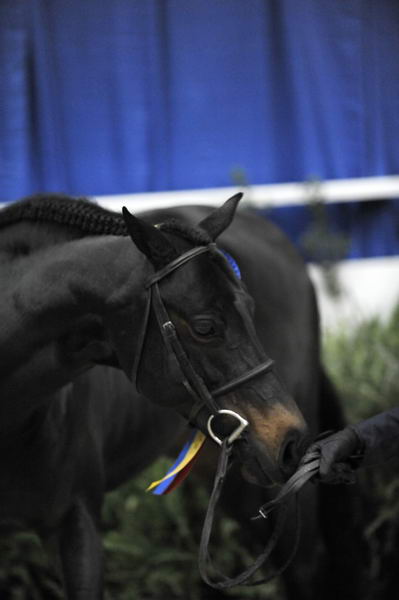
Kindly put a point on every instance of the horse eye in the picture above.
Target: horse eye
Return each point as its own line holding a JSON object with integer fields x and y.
{"x": 204, "y": 327}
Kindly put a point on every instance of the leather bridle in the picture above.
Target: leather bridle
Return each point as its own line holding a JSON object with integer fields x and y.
{"x": 205, "y": 400}
{"x": 180, "y": 365}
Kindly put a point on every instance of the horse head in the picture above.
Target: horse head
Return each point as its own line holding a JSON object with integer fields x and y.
{"x": 198, "y": 330}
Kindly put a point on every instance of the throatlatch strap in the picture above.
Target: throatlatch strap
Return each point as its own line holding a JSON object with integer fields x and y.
{"x": 204, "y": 560}
{"x": 141, "y": 340}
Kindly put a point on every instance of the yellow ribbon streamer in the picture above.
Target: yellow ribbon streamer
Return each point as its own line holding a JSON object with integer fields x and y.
{"x": 195, "y": 447}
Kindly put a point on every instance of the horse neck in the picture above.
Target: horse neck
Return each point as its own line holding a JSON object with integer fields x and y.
{"x": 26, "y": 238}
{"x": 50, "y": 292}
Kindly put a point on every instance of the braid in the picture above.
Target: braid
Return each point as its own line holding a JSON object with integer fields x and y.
{"x": 86, "y": 217}
{"x": 79, "y": 213}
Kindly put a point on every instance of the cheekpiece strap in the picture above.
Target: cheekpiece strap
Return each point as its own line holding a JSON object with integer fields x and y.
{"x": 184, "y": 369}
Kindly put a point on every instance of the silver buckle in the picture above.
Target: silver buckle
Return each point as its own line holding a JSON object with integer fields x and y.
{"x": 243, "y": 423}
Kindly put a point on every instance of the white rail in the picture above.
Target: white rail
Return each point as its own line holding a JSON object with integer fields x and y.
{"x": 282, "y": 194}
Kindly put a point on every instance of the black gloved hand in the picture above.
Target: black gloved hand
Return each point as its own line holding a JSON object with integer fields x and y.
{"x": 335, "y": 452}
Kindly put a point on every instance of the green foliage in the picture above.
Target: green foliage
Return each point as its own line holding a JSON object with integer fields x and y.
{"x": 364, "y": 365}
{"x": 151, "y": 543}
{"x": 148, "y": 542}
{"x": 24, "y": 569}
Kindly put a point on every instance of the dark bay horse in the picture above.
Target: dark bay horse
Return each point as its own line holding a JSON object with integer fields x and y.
{"x": 328, "y": 562}
{"x": 75, "y": 313}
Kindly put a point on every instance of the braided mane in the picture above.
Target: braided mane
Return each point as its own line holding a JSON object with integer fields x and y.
{"x": 86, "y": 217}
{"x": 80, "y": 213}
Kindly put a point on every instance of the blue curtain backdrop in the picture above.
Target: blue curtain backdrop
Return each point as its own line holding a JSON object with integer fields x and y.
{"x": 100, "y": 97}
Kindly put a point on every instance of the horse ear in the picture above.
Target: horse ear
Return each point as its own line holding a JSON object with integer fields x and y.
{"x": 149, "y": 240}
{"x": 215, "y": 223}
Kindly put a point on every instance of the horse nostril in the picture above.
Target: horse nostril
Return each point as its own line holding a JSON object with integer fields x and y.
{"x": 289, "y": 455}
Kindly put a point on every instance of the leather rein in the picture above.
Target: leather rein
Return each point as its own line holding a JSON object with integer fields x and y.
{"x": 205, "y": 399}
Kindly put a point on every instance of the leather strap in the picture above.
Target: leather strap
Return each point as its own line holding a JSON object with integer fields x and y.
{"x": 141, "y": 340}
{"x": 181, "y": 366}
{"x": 178, "y": 262}
{"x": 204, "y": 559}
{"x": 292, "y": 486}
{"x": 229, "y": 387}
{"x": 189, "y": 377}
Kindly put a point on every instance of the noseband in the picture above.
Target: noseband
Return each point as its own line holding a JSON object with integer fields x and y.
{"x": 205, "y": 399}
{"x": 180, "y": 364}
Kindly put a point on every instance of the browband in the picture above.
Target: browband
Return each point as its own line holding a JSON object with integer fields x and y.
{"x": 178, "y": 262}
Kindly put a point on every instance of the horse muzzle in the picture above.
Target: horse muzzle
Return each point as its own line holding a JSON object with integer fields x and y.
{"x": 269, "y": 453}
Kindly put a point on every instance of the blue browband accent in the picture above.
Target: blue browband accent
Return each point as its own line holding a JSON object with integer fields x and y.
{"x": 232, "y": 263}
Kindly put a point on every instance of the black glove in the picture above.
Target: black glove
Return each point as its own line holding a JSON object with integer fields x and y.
{"x": 336, "y": 452}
